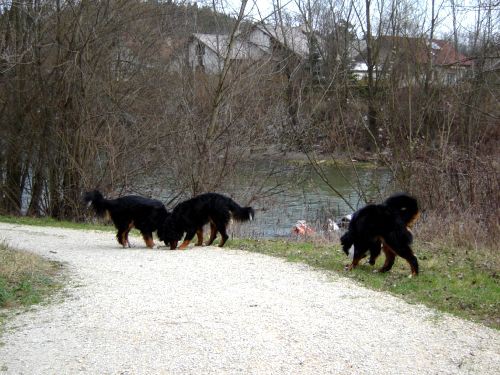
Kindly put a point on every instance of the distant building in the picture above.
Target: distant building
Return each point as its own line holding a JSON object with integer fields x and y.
{"x": 207, "y": 52}
{"x": 259, "y": 43}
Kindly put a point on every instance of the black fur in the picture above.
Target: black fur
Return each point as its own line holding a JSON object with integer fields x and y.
{"x": 191, "y": 215}
{"x": 383, "y": 225}
{"x": 130, "y": 211}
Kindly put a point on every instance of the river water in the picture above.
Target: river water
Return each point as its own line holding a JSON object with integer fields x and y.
{"x": 296, "y": 191}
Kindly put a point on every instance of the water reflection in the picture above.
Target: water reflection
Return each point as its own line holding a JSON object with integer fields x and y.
{"x": 297, "y": 192}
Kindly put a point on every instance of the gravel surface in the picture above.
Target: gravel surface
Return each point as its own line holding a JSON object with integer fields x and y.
{"x": 212, "y": 311}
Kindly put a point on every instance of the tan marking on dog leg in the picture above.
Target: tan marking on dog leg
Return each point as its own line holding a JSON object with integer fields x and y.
{"x": 148, "y": 240}
{"x": 354, "y": 264}
{"x": 184, "y": 245}
{"x": 412, "y": 221}
{"x": 222, "y": 241}
{"x": 124, "y": 239}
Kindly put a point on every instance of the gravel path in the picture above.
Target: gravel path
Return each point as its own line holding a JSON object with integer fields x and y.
{"x": 213, "y": 311}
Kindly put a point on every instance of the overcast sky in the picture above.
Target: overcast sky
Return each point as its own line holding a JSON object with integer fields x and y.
{"x": 465, "y": 16}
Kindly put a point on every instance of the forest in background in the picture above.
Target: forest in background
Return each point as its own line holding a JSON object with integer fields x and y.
{"x": 92, "y": 95}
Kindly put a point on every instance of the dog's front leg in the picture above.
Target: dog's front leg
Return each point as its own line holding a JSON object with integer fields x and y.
{"x": 184, "y": 244}
{"x": 353, "y": 264}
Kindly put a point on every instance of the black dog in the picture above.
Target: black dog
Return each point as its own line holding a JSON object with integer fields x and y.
{"x": 128, "y": 212}
{"x": 383, "y": 225}
{"x": 191, "y": 215}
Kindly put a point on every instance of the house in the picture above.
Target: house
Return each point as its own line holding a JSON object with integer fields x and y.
{"x": 261, "y": 42}
{"x": 269, "y": 38}
{"x": 207, "y": 52}
{"x": 407, "y": 59}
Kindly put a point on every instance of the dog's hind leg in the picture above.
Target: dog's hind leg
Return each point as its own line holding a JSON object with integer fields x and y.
{"x": 148, "y": 239}
{"x": 222, "y": 231}
{"x": 375, "y": 249}
{"x": 213, "y": 233}
{"x": 122, "y": 236}
{"x": 399, "y": 246}
{"x": 199, "y": 235}
{"x": 126, "y": 242}
{"x": 390, "y": 257}
{"x": 408, "y": 255}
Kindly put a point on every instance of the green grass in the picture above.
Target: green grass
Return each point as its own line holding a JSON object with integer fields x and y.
{"x": 25, "y": 279}
{"x": 462, "y": 282}
{"x": 450, "y": 281}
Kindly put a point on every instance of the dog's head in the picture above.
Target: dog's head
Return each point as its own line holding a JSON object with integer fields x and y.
{"x": 343, "y": 222}
{"x": 92, "y": 196}
{"x": 95, "y": 200}
{"x": 169, "y": 231}
{"x": 347, "y": 242}
{"x": 405, "y": 206}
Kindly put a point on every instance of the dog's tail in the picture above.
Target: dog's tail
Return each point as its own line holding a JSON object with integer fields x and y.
{"x": 95, "y": 199}
{"x": 347, "y": 240}
{"x": 241, "y": 213}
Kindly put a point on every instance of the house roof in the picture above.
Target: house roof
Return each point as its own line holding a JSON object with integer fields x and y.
{"x": 445, "y": 54}
{"x": 220, "y": 43}
{"x": 294, "y": 38}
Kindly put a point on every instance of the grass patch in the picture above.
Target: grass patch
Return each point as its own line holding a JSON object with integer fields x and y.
{"x": 25, "y": 279}
{"x": 461, "y": 284}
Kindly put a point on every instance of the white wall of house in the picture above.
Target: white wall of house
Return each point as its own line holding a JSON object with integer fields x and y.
{"x": 450, "y": 75}
{"x": 209, "y": 51}
{"x": 211, "y": 61}
{"x": 260, "y": 39}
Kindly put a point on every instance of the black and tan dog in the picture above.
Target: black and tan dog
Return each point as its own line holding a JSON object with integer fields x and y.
{"x": 191, "y": 215}
{"x": 128, "y": 212}
{"x": 385, "y": 226}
